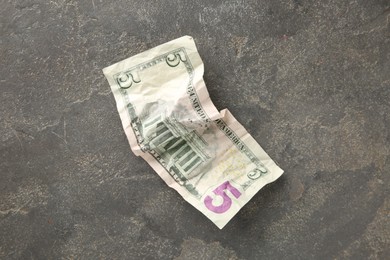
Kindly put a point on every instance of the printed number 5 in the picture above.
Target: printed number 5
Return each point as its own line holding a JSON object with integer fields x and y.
{"x": 227, "y": 201}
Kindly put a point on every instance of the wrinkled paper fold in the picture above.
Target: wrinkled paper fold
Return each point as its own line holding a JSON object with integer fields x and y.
{"x": 170, "y": 121}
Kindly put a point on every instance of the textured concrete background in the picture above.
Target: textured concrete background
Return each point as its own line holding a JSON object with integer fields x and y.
{"x": 310, "y": 80}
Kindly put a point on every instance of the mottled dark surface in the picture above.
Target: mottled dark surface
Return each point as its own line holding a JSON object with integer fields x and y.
{"x": 310, "y": 80}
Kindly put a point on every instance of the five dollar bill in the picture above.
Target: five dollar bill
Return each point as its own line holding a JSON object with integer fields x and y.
{"x": 206, "y": 155}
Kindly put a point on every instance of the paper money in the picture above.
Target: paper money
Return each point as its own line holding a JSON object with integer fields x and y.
{"x": 205, "y": 155}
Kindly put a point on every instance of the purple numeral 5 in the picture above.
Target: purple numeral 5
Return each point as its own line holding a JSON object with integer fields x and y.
{"x": 227, "y": 201}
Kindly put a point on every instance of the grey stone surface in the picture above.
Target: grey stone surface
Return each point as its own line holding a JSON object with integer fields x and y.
{"x": 310, "y": 80}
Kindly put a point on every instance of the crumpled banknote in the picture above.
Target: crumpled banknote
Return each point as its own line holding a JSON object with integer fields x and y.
{"x": 206, "y": 155}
